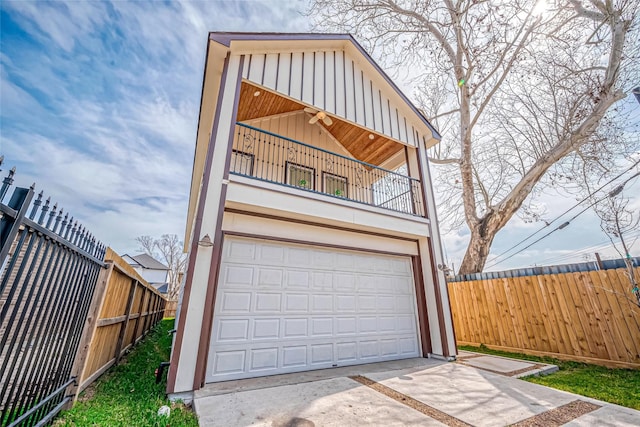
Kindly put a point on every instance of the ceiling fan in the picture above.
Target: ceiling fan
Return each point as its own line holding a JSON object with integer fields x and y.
{"x": 318, "y": 115}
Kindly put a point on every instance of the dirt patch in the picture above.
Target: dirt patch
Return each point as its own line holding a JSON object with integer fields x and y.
{"x": 560, "y": 415}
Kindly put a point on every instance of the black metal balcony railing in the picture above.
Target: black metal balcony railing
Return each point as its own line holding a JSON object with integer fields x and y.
{"x": 266, "y": 156}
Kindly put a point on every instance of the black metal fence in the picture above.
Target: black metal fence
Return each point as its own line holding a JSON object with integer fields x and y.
{"x": 274, "y": 158}
{"x": 49, "y": 268}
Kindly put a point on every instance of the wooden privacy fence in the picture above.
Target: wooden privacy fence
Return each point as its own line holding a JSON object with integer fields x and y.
{"x": 589, "y": 316}
{"x": 171, "y": 308}
{"x": 124, "y": 309}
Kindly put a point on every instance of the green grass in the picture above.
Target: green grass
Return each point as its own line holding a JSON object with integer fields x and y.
{"x": 127, "y": 394}
{"x": 619, "y": 386}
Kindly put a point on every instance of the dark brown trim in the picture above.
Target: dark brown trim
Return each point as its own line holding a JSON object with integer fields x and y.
{"x": 249, "y": 66}
{"x": 317, "y": 224}
{"x": 408, "y": 163}
{"x": 433, "y": 223}
{"x": 423, "y": 184}
{"x": 344, "y": 82}
{"x": 313, "y": 77}
{"x": 212, "y": 281}
{"x": 193, "y": 251}
{"x": 324, "y": 81}
{"x": 421, "y": 301}
{"x": 307, "y": 242}
{"x": 301, "y": 77}
{"x": 439, "y": 308}
{"x": 335, "y": 85}
{"x": 289, "y": 78}
{"x": 355, "y": 103}
{"x": 277, "y": 72}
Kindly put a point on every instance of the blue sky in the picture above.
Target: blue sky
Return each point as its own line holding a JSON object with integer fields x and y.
{"x": 99, "y": 103}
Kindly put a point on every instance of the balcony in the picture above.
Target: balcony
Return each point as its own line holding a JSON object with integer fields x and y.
{"x": 269, "y": 157}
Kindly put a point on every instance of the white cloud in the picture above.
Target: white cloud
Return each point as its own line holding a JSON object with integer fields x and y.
{"x": 110, "y": 131}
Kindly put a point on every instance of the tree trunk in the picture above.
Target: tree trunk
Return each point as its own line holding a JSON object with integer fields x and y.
{"x": 482, "y": 235}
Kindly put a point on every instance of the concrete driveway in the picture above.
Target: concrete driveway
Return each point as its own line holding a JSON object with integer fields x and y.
{"x": 477, "y": 391}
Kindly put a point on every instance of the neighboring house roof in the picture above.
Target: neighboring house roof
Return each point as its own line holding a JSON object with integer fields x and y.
{"x": 163, "y": 289}
{"x": 147, "y": 261}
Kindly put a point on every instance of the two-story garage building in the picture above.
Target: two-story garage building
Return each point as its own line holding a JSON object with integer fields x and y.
{"x": 312, "y": 232}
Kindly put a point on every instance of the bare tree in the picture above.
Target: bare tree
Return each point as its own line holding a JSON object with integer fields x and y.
{"x": 147, "y": 245}
{"x": 522, "y": 91}
{"x": 167, "y": 248}
{"x": 617, "y": 220}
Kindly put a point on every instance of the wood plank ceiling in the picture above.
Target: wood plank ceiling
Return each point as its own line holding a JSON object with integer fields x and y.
{"x": 355, "y": 139}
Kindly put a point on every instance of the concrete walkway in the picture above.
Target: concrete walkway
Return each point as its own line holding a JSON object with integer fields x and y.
{"x": 478, "y": 390}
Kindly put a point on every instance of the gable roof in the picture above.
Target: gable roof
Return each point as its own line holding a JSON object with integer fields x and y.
{"x": 278, "y": 41}
{"x": 147, "y": 261}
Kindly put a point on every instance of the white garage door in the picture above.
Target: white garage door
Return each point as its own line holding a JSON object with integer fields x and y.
{"x": 284, "y": 307}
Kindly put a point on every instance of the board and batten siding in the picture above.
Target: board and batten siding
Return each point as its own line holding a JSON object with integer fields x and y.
{"x": 333, "y": 81}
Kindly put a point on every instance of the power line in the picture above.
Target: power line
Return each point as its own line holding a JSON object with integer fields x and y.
{"x": 599, "y": 246}
{"x": 566, "y": 212}
{"x": 564, "y": 224}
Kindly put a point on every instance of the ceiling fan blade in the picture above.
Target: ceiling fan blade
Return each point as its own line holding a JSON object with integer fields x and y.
{"x": 313, "y": 120}
{"x": 327, "y": 120}
{"x": 310, "y": 110}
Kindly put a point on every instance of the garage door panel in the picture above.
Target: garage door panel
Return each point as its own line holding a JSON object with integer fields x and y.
{"x": 270, "y": 277}
{"x": 233, "y": 330}
{"x": 367, "y": 303}
{"x": 287, "y": 308}
{"x": 298, "y": 279}
{"x": 321, "y": 280}
{"x": 322, "y": 303}
{"x": 345, "y": 282}
{"x": 298, "y": 257}
{"x": 263, "y": 359}
{"x": 321, "y": 327}
{"x": 345, "y": 303}
{"x": 368, "y": 325}
{"x": 296, "y": 303}
{"x": 270, "y": 254}
{"x": 266, "y": 302}
{"x": 346, "y": 326}
{"x": 240, "y": 251}
{"x": 295, "y": 328}
{"x": 264, "y": 329}
{"x": 321, "y": 354}
{"x": 347, "y": 351}
{"x": 229, "y": 362}
{"x": 237, "y": 276}
{"x": 323, "y": 259}
{"x": 236, "y": 302}
{"x": 294, "y": 356}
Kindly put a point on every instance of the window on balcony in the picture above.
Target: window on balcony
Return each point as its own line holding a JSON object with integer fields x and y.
{"x": 335, "y": 185}
{"x": 241, "y": 163}
{"x": 300, "y": 176}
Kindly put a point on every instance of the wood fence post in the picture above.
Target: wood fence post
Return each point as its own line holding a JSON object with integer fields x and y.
{"x": 125, "y": 322}
{"x": 140, "y": 307}
{"x": 89, "y": 331}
